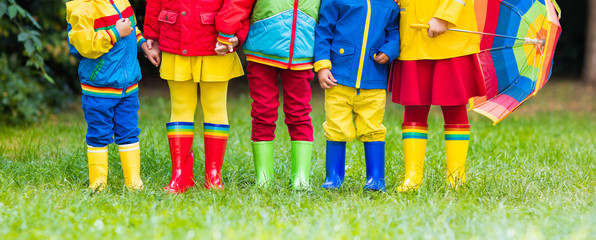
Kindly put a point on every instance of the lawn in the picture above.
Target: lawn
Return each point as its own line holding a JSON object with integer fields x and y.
{"x": 533, "y": 176}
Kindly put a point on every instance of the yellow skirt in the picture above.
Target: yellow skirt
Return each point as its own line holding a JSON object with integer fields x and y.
{"x": 200, "y": 68}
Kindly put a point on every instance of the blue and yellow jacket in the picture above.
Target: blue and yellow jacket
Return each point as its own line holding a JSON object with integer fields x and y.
{"x": 109, "y": 66}
{"x": 349, "y": 35}
{"x": 282, "y": 33}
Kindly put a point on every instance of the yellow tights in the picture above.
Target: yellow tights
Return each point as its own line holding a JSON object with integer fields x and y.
{"x": 183, "y": 95}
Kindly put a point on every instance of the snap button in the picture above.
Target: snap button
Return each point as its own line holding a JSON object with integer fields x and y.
{"x": 341, "y": 51}
{"x": 184, "y": 51}
{"x": 375, "y": 55}
{"x": 183, "y": 13}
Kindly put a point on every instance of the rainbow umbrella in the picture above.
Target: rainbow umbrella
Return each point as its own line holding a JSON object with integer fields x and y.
{"x": 516, "y": 52}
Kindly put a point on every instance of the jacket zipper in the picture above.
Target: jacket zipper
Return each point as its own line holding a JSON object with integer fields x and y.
{"x": 294, "y": 20}
{"x": 364, "y": 40}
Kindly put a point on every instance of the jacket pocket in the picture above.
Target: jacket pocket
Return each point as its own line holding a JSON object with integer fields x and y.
{"x": 208, "y": 18}
{"x": 375, "y": 72}
{"x": 167, "y": 16}
{"x": 96, "y": 70}
{"x": 342, "y": 59}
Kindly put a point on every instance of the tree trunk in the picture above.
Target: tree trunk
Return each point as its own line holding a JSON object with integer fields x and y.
{"x": 590, "y": 59}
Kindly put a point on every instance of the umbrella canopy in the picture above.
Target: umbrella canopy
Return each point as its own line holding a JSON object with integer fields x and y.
{"x": 516, "y": 52}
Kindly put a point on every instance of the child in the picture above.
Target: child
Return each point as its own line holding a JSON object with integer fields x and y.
{"x": 354, "y": 42}
{"x": 290, "y": 55}
{"x": 98, "y": 35}
{"x": 191, "y": 35}
{"x": 436, "y": 68}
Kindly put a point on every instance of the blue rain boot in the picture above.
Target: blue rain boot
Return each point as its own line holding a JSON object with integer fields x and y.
{"x": 335, "y": 164}
{"x": 374, "y": 153}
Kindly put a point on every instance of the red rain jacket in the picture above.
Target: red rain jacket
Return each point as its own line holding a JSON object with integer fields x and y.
{"x": 192, "y": 27}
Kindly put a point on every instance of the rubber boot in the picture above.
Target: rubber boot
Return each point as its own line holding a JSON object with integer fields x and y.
{"x": 130, "y": 157}
{"x": 374, "y": 153}
{"x": 335, "y": 164}
{"x": 414, "y": 136}
{"x": 180, "y": 137}
{"x": 216, "y": 139}
{"x": 263, "y": 158}
{"x": 97, "y": 158}
{"x": 301, "y": 158}
{"x": 457, "y": 138}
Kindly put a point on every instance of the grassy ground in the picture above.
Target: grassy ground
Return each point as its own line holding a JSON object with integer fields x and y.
{"x": 532, "y": 176}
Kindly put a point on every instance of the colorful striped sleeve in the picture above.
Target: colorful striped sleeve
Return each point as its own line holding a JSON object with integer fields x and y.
{"x": 140, "y": 38}
{"x": 88, "y": 42}
{"x": 224, "y": 38}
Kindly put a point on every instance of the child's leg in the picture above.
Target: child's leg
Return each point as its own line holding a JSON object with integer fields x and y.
{"x": 183, "y": 96}
{"x": 264, "y": 91}
{"x": 126, "y": 135}
{"x": 339, "y": 129}
{"x": 414, "y": 136}
{"x": 99, "y": 113}
{"x": 369, "y": 108}
{"x": 296, "y": 95}
{"x": 216, "y": 129}
{"x": 457, "y": 138}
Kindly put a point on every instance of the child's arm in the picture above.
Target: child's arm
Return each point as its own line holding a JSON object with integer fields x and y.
{"x": 92, "y": 44}
{"x": 391, "y": 46}
{"x": 231, "y": 18}
{"x": 152, "y": 26}
{"x": 450, "y": 10}
{"x": 324, "y": 31}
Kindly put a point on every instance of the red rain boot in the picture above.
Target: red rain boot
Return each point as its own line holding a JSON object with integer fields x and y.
{"x": 216, "y": 139}
{"x": 180, "y": 136}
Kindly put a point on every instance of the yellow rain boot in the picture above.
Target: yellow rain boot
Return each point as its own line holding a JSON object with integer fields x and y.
{"x": 97, "y": 158}
{"x": 130, "y": 156}
{"x": 457, "y": 138}
{"x": 414, "y": 136}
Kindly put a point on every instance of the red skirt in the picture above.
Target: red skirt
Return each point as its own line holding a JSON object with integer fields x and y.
{"x": 445, "y": 82}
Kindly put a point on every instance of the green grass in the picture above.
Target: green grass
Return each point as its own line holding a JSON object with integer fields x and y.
{"x": 533, "y": 176}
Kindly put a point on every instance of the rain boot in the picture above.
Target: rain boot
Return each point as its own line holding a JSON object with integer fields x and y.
{"x": 97, "y": 158}
{"x": 130, "y": 157}
{"x": 335, "y": 164}
{"x": 301, "y": 157}
{"x": 180, "y": 137}
{"x": 263, "y": 157}
{"x": 374, "y": 153}
{"x": 216, "y": 139}
{"x": 414, "y": 136}
{"x": 457, "y": 138}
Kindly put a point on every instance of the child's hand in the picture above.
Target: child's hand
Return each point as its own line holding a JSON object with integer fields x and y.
{"x": 123, "y": 27}
{"x": 436, "y": 27}
{"x": 326, "y": 79}
{"x": 381, "y": 58}
{"x": 154, "y": 55}
{"x": 223, "y": 49}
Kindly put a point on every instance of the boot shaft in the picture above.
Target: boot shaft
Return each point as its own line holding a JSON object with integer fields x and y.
{"x": 301, "y": 161}
{"x": 130, "y": 157}
{"x": 263, "y": 159}
{"x": 374, "y": 153}
{"x": 97, "y": 159}
{"x": 216, "y": 139}
{"x": 335, "y": 164}
{"x": 457, "y": 138}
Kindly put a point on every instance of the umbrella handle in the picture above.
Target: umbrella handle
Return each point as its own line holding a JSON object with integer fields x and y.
{"x": 419, "y": 26}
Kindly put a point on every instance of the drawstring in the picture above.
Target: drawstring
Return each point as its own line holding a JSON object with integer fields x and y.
{"x": 114, "y": 5}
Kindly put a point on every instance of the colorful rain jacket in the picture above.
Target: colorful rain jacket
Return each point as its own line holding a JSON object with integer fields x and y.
{"x": 350, "y": 34}
{"x": 416, "y": 44}
{"x": 109, "y": 66}
{"x": 282, "y": 33}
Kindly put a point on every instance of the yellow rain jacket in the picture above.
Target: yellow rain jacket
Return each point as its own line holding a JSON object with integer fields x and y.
{"x": 417, "y": 45}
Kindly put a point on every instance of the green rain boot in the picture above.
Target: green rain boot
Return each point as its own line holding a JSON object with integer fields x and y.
{"x": 263, "y": 157}
{"x": 301, "y": 157}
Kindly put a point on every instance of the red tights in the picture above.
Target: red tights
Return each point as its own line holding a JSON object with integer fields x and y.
{"x": 452, "y": 114}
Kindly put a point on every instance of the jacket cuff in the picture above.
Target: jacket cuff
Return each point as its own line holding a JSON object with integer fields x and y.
{"x": 392, "y": 53}
{"x": 446, "y": 17}
{"x": 140, "y": 40}
{"x": 224, "y": 38}
{"x": 114, "y": 35}
{"x": 321, "y": 64}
